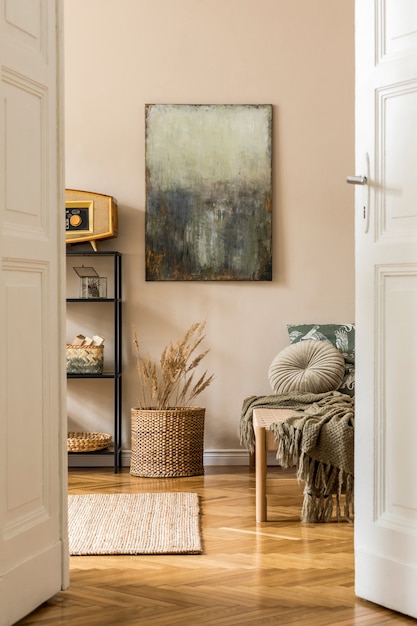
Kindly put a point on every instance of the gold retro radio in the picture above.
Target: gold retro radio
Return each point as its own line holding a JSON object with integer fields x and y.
{"x": 89, "y": 217}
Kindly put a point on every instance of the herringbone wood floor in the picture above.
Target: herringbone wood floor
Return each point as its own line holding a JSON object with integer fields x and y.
{"x": 279, "y": 572}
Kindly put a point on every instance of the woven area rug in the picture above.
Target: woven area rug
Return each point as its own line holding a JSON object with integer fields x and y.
{"x": 137, "y": 523}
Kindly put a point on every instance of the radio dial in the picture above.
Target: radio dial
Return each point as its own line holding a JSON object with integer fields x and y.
{"x": 75, "y": 220}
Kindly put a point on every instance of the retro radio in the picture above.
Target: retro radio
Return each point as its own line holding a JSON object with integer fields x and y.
{"x": 89, "y": 217}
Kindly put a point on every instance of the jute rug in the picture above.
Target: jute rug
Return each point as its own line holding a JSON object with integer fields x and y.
{"x": 138, "y": 523}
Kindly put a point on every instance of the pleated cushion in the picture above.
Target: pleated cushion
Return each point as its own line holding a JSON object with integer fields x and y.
{"x": 308, "y": 366}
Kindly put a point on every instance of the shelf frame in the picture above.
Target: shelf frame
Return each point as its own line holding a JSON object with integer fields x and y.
{"x": 116, "y": 374}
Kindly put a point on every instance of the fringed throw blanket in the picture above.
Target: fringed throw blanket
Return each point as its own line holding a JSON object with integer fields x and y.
{"x": 322, "y": 438}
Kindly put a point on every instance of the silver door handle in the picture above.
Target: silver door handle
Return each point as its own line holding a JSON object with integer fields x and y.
{"x": 357, "y": 180}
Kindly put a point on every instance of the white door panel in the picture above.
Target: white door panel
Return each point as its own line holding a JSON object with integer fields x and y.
{"x": 397, "y": 27}
{"x": 24, "y": 108}
{"x": 395, "y": 431}
{"x": 33, "y": 535}
{"x": 396, "y": 115}
{"x": 386, "y": 305}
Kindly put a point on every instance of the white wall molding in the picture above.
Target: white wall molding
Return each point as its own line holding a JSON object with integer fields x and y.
{"x": 211, "y": 457}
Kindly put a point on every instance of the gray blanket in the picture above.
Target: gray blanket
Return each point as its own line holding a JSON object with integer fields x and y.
{"x": 322, "y": 438}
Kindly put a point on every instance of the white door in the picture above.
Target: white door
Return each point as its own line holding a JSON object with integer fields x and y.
{"x": 386, "y": 296}
{"x": 33, "y": 537}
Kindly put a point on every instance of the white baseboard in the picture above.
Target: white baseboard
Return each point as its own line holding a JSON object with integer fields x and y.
{"x": 211, "y": 458}
{"x": 226, "y": 457}
{"x": 233, "y": 457}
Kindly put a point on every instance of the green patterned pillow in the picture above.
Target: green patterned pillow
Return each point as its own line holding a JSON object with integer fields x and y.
{"x": 340, "y": 335}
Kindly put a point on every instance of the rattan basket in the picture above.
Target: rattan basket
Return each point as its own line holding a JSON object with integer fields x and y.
{"x": 87, "y": 442}
{"x": 84, "y": 359}
{"x": 167, "y": 443}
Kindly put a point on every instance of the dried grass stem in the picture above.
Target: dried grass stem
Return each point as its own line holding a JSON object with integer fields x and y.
{"x": 172, "y": 383}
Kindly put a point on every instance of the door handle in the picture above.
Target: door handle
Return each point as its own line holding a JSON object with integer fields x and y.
{"x": 357, "y": 180}
{"x": 362, "y": 196}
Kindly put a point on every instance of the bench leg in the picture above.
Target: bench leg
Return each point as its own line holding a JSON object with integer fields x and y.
{"x": 260, "y": 474}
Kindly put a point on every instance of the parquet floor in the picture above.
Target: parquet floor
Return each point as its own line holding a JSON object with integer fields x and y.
{"x": 277, "y": 573}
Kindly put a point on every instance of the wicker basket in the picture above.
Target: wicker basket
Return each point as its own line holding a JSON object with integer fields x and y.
{"x": 84, "y": 359}
{"x": 87, "y": 442}
{"x": 167, "y": 443}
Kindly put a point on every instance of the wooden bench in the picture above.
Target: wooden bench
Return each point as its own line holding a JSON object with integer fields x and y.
{"x": 265, "y": 441}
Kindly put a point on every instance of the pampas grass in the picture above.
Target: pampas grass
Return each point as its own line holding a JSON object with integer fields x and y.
{"x": 174, "y": 383}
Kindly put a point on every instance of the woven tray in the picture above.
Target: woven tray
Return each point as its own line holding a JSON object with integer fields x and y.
{"x": 87, "y": 442}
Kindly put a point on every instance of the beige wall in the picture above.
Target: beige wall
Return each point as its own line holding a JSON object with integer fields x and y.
{"x": 297, "y": 55}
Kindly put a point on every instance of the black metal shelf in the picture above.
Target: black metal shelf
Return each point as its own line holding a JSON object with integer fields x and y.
{"x": 103, "y": 375}
{"x": 116, "y": 374}
{"x": 89, "y": 300}
{"x": 107, "y": 452}
{"x": 92, "y": 252}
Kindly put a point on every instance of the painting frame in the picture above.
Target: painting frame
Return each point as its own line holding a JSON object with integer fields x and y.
{"x": 208, "y": 192}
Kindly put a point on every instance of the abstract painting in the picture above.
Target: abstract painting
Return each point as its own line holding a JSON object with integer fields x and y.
{"x": 208, "y": 192}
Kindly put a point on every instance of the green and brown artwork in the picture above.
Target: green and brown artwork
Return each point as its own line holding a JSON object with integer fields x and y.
{"x": 208, "y": 192}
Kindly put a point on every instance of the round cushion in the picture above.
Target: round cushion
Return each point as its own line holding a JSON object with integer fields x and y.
{"x": 310, "y": 366}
